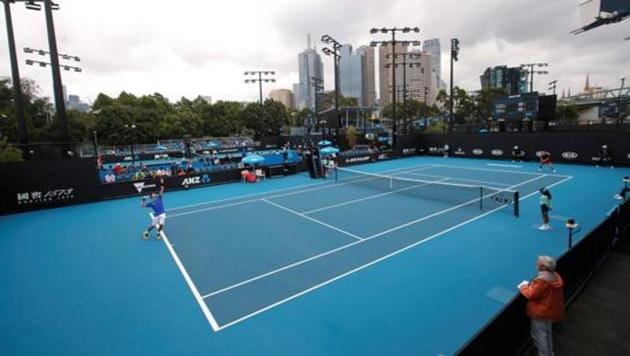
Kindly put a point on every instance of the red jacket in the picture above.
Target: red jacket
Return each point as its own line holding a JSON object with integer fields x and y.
{"x": 545, "y": 297}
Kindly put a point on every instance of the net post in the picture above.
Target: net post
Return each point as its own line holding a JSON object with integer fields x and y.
{"x": 481, "y": 198}
{"x": 516, "y": 203}
{"x": 391, "y": 183}
{"x": 336, "y": 175}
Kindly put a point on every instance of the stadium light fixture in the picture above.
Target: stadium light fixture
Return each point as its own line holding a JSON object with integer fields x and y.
{"x": 393, "y": 42}
{"x": 260, "y": 79}
{"x": 32, "y": 5}
{"x": 335, "y": 53}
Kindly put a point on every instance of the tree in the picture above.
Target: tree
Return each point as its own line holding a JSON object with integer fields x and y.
{"x": 484, "y": 100}
{"x": 9, "y": 153}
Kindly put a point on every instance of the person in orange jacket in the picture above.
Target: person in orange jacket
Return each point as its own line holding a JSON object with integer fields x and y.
{"x": 545, "y": 303}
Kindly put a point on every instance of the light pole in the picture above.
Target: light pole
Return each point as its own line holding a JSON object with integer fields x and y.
{"x": 15, "y": 77}
{"x": 131, "y": 127}
{"x": 404, "y": 66}
{"x": 334, "y": 51}
{"x": 454, "y": 58}
{"x": 552, "y": 86}
{"x": 260, "y": 79}
{"x": 620, "y": 116}
{"x": 318, "y": 85}
{"x": 392, "y": 42}
{"x": 529, "y": 70}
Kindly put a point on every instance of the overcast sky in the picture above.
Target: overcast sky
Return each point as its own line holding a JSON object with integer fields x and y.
{"x": 189, "y": 48}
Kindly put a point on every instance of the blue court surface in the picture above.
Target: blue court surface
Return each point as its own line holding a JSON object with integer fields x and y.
{"x": 291, "y": 266}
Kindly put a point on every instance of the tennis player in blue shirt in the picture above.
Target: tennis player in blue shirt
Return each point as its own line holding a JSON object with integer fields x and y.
{"x": 158, "y": 216}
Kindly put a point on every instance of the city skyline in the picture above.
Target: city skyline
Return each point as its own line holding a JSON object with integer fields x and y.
{"x": 184, "y": 50}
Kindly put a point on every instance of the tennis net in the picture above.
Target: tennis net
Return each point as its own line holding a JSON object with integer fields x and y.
{"x": 477, "y": 196}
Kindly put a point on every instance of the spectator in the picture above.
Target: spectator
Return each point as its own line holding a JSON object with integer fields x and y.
{"x": 625, "y": 191}
{"x": 118, "y": 169}
{"x": 447, "y": 150}
{"x": 110, "y": 177}
{"x": 138, "y": 176}
{"x": 545, "y": 303}
{"x": 189, "y": 168}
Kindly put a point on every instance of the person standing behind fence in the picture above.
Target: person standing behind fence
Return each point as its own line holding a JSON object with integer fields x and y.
{"x": 545, "y": 303}
{"x": 545, "y": 207}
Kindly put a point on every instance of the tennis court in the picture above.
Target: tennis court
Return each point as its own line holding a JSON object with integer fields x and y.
{"x": 408, "y": 256}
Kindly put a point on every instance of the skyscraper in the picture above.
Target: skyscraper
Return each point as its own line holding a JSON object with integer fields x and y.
{"x": 512, "y": 80}
{"x": 351, "y": 73}
{"x": 369, "y": 83}
{"x": 309, "y": 65}
{"x": 385, "y": 74}
{"x": 432, "y": 46}
{"x": 421, "y": 80}
{"x": 284, "y": 96}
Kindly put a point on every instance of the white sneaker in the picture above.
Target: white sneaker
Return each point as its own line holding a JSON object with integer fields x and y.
{"x": 547, "y": 227}
{"x": 618, "y": 197}
{"x": 541, "y": 227}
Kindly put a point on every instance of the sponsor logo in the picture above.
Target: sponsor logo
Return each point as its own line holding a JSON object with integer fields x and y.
{"x": 383, "y": 156}
{"x": 569, "y": 155}
{"x": 204, "y": 179}
{"x": 497, "y": 152}
{"x": 54, "y": 195}
{"x": 127, "y": 158}
{"x": 477, "y": 151}
{"x": 140, "y": 186}
{"x": 358, "y": 159}
{"x": 501, "y": 200}
{"x": 459, "y": 152}
{"x": 191, "y": 181}
{"x": 540, "y": 153}
{"x": 409, "y": 151}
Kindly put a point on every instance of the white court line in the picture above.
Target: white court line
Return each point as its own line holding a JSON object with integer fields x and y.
{"x": 461, "y": 179}
{"x": 330, "y": 185}
{"x": 504, "y": 165}
{"x": 349, "y": 202}
{"x": 311, "y": 219}
{"x": 295, "y": 264}
{"x": 500, "y": 170}
{"x": 204, "y": 308}
{"x": 449, "y": 209}
{"x": 404, "y": 169}
{"x": 374, "y": 262}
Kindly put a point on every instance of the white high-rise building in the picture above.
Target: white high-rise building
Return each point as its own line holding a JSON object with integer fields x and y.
{"x": 351, "y": 67}
{"x": 369, "y": 83}
{"x": 309, "y": 65}
{"x": 433, "y": 47}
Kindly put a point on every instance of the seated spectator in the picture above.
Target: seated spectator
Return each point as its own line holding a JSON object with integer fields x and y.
{"x": 110, "y": 178}
{"x": 180, "y": 172}
{"x": 118, "y": 169}
{"x": 189, "y": 168}
{"x": 138, "y": 176}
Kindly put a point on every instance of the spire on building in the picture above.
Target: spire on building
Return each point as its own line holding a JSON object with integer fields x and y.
{"x": 562, "y": 93}
{"x": 587, "y": 87}
{"x": 569, "y": 93}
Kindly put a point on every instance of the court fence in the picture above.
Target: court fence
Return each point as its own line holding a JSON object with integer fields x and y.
{"x": 508, "y": 332}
